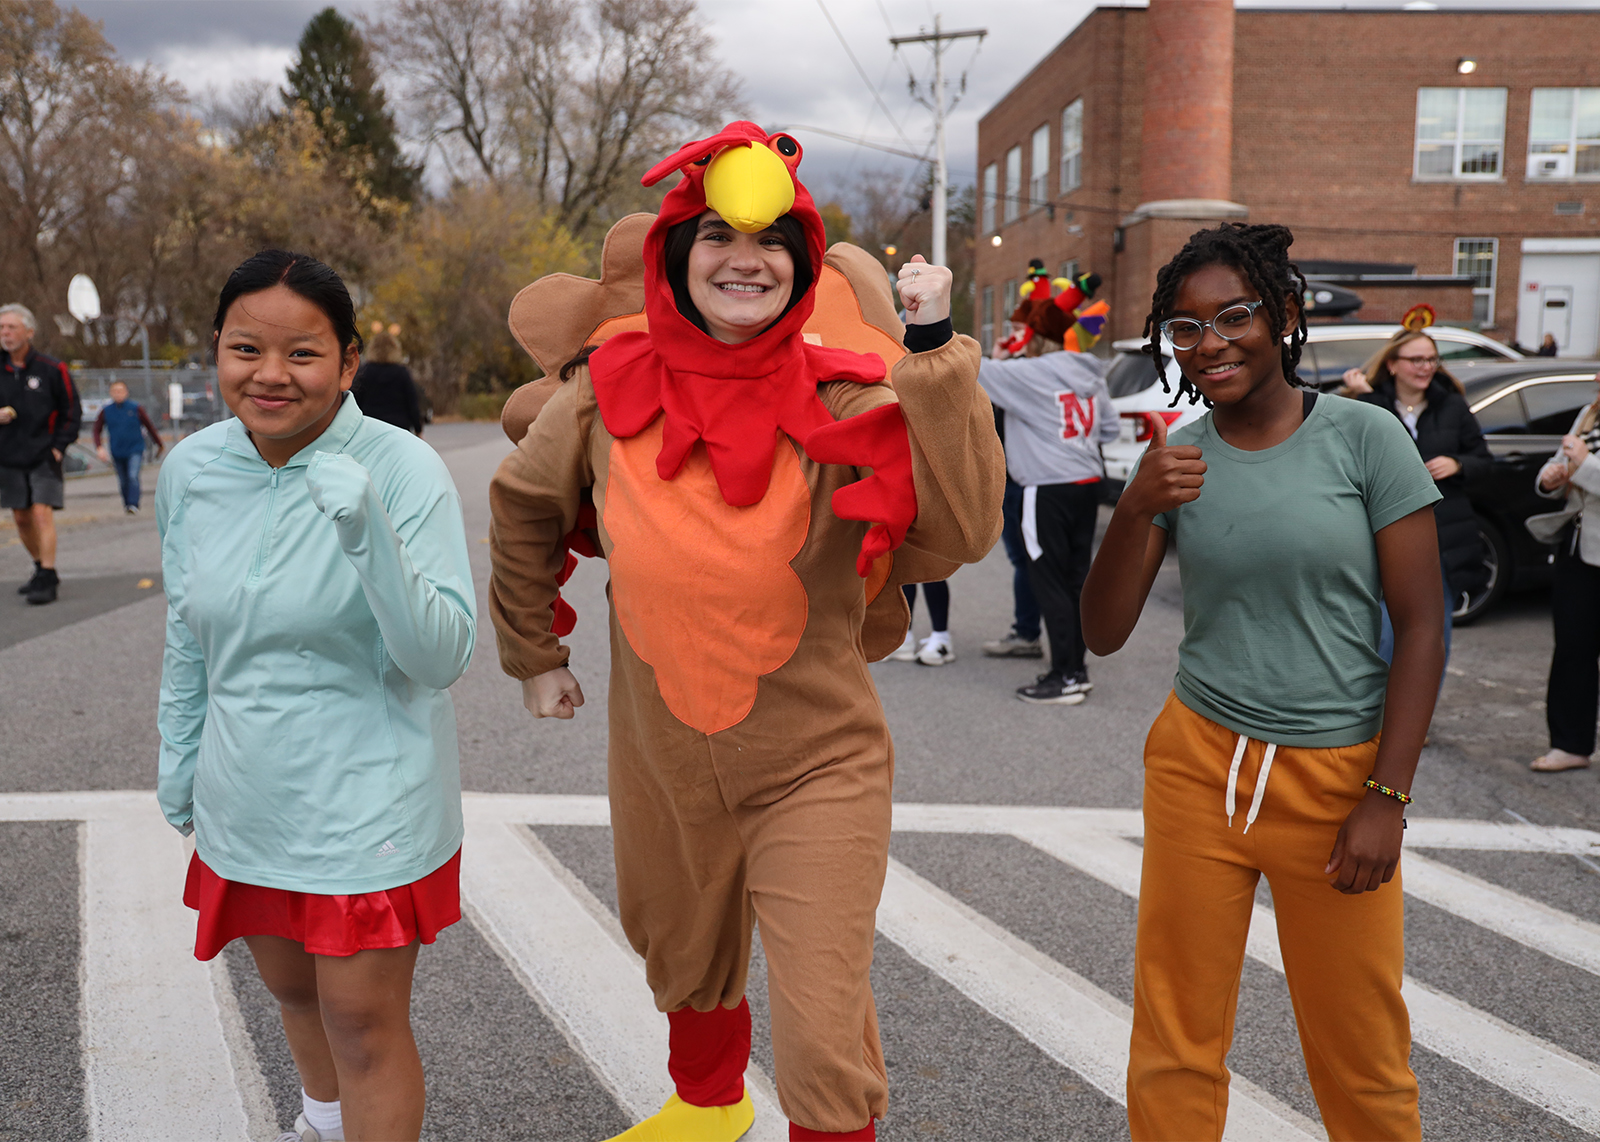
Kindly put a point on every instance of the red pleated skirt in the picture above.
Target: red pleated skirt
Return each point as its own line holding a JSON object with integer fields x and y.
{"x": 326, "y": 925}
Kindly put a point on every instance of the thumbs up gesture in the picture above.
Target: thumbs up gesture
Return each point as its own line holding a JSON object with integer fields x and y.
{"x": 1167, "y": 476}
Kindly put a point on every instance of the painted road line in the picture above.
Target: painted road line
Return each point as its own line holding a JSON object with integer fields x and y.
{"x": 1557, "y": 934}
{"x": 1015, "y": 820}
{"x": 1068, "y": 1018}
{"x": 1522, "y": 1064}
{"x": 156, "y": 1061}
{"x": 545, "y": 809}
{"x": 592, "y": 988}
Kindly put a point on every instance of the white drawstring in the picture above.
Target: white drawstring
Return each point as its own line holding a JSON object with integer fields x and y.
{"x": 1261, "y": 786}
{"x": 1233, "y": 777}
{"x": 1230, "y": 800}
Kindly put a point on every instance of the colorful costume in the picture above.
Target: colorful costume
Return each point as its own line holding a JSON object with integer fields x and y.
{"x": 749, "y": 764}
{"x": 1070, "y": 318}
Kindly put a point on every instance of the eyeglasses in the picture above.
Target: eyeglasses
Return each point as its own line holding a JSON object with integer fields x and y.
{"x": 1419, "y": 362}
{"x": 1230, "y": 325}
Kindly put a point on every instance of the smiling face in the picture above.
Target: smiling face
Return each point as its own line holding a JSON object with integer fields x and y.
{"x": 1414, "y": 361}
{"x": 281, "y": 371}
{"x": 1225, "y": 371}
{"x": 739, "y": 282}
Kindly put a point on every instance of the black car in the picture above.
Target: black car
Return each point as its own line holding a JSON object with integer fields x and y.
{"x": 1524, "y": 408}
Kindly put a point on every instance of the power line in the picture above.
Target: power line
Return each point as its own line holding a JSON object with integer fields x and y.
{"x": 862, "y": 73}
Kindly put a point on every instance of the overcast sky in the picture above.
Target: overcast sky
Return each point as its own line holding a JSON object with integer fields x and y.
{"x": 795, "y": 68}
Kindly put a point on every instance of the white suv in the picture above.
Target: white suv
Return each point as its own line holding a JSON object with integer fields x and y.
{"x": 1137, "y": 394}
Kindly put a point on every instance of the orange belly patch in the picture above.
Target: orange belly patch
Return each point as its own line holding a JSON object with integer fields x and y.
{"x": 704, "y": 591}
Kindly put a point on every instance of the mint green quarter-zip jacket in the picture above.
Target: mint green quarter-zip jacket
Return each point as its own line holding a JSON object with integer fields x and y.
{"x": 316, "y": 615}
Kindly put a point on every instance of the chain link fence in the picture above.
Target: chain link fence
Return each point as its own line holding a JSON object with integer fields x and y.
{"x": 196, "y": 403}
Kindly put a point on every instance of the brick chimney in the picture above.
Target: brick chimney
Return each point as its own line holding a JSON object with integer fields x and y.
{"x": 1188, "y": 101}
{"x": 1186, "y": 155}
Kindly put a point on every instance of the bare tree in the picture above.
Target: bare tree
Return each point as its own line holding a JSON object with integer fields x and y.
{"x": 450, "y": 58}
{"x": 575, "y": 98}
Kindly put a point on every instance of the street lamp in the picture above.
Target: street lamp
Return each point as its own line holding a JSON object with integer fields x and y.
{"x": 1466, "y": 66}
{"x": 996, "y": 240}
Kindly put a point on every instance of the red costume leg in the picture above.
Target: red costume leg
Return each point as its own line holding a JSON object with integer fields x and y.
{"x": 867, "y": 1133}
{"x": 709, "y": 1051}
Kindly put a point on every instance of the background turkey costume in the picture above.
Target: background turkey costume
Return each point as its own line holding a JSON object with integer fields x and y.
{"x": 754, "y": 574}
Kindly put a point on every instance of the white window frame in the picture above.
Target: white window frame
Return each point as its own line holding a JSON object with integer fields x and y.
{"x": 986, "y": 329}
{"x": 1039, "y": 170}
{"x": 1465, "y": 247}
{"x": 1568, "y": 146}
{"x": 1453, "y": 138}
{"x": 1008, "y": 302}
{"x": 1072, "y": 146}
{"x": 991, "y": 186}
{"x": 1013, "y": 200}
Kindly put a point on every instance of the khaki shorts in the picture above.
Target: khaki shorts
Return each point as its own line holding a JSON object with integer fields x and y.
{"x": 21, "y": 488}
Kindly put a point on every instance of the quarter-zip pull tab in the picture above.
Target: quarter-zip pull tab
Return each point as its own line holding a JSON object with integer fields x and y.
{"x": 275, "y": 472}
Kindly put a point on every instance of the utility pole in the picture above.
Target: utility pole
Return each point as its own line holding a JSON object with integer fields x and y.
{"x": 941, "y": 175}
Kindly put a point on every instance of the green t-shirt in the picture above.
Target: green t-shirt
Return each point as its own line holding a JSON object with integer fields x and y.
{"x": 1280, "y": 574}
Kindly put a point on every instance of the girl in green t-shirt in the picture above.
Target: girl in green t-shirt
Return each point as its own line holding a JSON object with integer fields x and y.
{"x": 1292, "y": 519}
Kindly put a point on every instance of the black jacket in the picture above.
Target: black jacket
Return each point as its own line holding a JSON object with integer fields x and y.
{"x": 1448, "y": 428}
{"x": 49, "y": 413}
{"x": 386, "y": 392}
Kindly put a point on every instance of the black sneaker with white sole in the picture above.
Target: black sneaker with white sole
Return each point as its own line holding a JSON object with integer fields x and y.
{"x": 1051, "y": 690}
{"x": 33, "y": 580}
{"x": 1080, "y": 682}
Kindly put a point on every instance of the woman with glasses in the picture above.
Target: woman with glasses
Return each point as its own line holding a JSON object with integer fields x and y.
{"x": 1406, "y": 378}
{"x": 1291, "y": 517}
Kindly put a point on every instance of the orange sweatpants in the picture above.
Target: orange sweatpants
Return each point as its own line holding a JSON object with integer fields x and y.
{"x": 1343, "y": 955}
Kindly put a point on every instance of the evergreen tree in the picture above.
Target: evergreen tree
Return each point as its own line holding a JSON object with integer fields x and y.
{"x": 334, "y": 79}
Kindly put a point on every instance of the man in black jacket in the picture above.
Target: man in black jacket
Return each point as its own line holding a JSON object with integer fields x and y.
{"x": 40, "y": 415}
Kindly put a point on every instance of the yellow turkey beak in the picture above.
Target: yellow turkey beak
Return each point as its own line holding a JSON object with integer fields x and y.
{"x": 750, "y": 187}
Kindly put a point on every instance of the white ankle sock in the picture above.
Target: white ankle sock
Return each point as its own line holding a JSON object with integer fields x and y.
{"x": 939, "y": 638}
{"x": 324, "y": 1117}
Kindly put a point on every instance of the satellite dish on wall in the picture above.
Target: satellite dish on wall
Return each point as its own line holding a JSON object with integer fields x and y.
{"x": 83, "y": 300}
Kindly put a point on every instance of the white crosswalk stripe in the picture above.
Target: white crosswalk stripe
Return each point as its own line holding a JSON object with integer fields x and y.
{"x": 162, "y": 1041}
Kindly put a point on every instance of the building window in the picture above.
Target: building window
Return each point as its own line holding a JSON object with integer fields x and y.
{"x": 1069, "y": 270}
{"x": 1564, "y": 133}
{"x": 1478, "y": 257}
{"x": 1461, "y": 132}
{"x": 991, "y": 179}
{"x": 1072, "y": 147}
{"x": 986, "y": 316}
{"x": 1008, "y": 305}
{"x": 1039, "y": 172}
{"x": 1013, "y": 182}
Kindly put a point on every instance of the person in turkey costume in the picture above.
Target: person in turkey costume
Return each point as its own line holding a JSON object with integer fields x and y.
{"x": 712, "y": 448}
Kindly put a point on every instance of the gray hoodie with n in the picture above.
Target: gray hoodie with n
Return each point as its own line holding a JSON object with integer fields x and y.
{"x": 1058, "y": 413}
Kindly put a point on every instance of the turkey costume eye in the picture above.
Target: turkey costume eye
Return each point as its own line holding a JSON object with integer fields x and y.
{"x": 787, "y": 147}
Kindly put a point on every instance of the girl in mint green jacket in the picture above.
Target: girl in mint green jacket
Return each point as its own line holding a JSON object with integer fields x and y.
{"x": 320, "y": 604}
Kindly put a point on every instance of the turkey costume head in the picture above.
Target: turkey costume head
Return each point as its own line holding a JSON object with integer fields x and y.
{"x": 748, "y": 177}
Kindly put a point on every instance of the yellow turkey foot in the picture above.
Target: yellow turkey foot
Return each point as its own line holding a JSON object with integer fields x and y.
{"x": 679, "y": 1121}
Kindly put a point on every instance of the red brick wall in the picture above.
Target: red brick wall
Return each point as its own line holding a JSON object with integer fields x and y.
{"x": 1323, "y": 132}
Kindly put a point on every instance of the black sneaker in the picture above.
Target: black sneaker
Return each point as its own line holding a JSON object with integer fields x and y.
{"x": 1080, "y": 682}
{"x": 1052, "y": 690}
{"x": 43, "y": 589}
{"x": 32, "y": 579}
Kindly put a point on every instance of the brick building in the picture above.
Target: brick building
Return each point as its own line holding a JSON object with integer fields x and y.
{"x": 1463, "y": 144}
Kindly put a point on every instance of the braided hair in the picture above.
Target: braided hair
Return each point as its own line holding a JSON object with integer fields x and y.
{"x": 1261, "y": 254}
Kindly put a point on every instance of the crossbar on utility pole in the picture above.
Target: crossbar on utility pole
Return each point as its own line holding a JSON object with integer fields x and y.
{"x": 941, "y": 176}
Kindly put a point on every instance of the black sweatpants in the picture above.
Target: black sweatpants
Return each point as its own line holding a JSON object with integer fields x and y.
{"x": 1574, "y": 694}
{"x": 1064, "y": 516}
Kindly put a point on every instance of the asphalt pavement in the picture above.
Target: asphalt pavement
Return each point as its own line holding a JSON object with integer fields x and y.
{"x": 1003, "y": 973}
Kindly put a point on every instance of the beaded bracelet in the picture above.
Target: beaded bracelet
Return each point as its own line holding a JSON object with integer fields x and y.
{"x": 1403, "y": 798}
